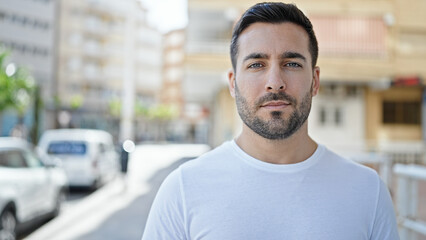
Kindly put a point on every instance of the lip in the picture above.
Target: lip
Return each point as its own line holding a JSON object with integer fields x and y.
{"x": 275, "y": 105}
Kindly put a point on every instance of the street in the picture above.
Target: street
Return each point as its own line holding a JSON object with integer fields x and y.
{"x": 119, "y": 209}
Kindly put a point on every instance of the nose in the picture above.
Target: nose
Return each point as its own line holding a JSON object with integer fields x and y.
{"x": 275, "y": 81}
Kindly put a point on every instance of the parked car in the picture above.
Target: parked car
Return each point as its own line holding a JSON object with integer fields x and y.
{"x": 29, "y": 189}
{"x": 88, "y": 156}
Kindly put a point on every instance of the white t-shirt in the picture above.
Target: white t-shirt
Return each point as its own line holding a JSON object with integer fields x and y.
{"x": 228, "y": 195}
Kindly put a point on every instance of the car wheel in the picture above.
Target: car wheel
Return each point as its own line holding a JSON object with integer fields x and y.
{"x": 96, "y": 184}
{"x": 60, "y": 199}
{"x": 7, "y": 225}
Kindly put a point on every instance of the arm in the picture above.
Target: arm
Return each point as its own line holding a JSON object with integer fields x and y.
{"x": 384, "y": 226}
{"x": 166, "y": 217}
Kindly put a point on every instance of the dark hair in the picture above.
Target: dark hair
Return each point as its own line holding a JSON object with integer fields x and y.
{"x": 273, "y": 12}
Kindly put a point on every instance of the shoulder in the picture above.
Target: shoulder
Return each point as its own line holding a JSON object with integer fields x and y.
{"x": 209, "y": 160}
{"x": 202, "y": 173}
{"x": 365, "y": 187}
{"x": 345, "y": 164}
{"x": 348, "y": 169}
{"x": 199, "y": 166}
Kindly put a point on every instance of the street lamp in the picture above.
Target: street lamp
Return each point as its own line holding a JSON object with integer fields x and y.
{"x": 127, "y": 147}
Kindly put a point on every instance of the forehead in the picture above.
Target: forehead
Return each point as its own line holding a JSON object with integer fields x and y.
{"x": 273, "y": 38}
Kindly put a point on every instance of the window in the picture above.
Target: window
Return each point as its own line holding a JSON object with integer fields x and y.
{"x": 12, "y": 159}
{"x": 102, "y": 148}
{"x": 401, "y": 113}
{"x": 352, "y": 91}
{"x": 332, "y": 116}
{"x": 338, "y": 116}
{"x": 32, "y": 160}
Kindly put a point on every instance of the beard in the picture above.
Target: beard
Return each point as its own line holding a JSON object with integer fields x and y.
{"x": 277, "y": 127}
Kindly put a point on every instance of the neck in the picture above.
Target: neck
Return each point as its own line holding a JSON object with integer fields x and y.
{"x": 293, "y": 149}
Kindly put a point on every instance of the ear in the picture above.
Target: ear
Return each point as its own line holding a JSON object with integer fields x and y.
{"x": 231, "y": 82}
{"x": 315, "y": 81}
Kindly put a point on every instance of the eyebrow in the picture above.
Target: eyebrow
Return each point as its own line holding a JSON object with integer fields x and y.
{"x": 293, "y": 55}
{"x": 256, "y": 56}
{"x": 283, "y": 56}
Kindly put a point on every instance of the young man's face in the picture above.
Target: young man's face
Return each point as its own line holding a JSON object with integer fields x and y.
{"x": 273, "y": 81}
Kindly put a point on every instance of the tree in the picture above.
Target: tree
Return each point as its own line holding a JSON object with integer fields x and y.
{"x": 16, "y": 86}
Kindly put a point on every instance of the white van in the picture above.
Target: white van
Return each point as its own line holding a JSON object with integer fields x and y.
{"x": 88, "y": 156}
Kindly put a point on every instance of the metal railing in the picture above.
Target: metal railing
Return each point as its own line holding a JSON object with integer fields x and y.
{"x": 408, "y": 177}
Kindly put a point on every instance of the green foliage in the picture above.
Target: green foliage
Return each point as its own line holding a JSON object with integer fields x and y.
{"x": 16, "y": 86}
{"x": 57, "y": 101}
{"x": 76, "y": 102}
{"x": 156, "y": 112}
{"x": 115, "y": 107}
{"x": 162, "y": 112}
{"x": 141, "y": 110}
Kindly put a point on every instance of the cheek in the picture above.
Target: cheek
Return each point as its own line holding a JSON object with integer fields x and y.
{"x": 300, "y": 83}
{"x": 252, "y": 84}
{"x": 250, "y": 91}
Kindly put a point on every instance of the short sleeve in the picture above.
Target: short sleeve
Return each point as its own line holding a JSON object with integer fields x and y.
{"x": 384, "y": 226}
{"x": 166, "y": 217}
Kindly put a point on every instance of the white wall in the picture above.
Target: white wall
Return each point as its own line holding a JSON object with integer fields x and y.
{"x": 349, "y": 134}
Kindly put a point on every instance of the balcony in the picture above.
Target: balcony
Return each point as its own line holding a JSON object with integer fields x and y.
{"x": 208, "y": 47}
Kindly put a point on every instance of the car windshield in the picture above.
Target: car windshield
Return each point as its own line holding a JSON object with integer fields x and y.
{"x": 68, "y": 147}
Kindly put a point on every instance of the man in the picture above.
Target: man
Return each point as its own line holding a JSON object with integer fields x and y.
{"x": 273, "y": 181}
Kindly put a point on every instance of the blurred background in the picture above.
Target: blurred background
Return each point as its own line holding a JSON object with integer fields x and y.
{"x": 156, "y": 72}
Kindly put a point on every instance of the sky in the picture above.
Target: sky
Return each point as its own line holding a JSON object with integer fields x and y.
{"x": 167, "y": 15}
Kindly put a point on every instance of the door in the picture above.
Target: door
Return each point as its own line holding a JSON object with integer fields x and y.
{"x": 24, "y": 182}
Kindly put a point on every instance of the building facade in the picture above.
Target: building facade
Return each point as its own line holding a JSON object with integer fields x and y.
{"x": 110, "y": 60}
{"x": 171, "y": 94}
{"x": 28, "y": 30}
{"x": 206, "y": 65}
{"x": 173, "y": 67}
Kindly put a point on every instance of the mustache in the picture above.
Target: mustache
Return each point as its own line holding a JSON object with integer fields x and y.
{"x": 275, "y": 97}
